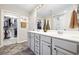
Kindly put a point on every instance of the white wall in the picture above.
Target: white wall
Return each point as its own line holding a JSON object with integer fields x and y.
{"x": 13, "y": 8}
{"x": 22, "y": 32}
{"x": 32, "y": 20}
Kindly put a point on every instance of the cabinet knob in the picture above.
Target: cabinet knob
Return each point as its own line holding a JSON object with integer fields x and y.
{"x": 54, "y": 48}
{"x": 49, "y": 46}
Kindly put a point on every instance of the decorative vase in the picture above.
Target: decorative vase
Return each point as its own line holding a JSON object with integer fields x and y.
{"x": 44, "y": 26}
{"x": 47, "y": 26}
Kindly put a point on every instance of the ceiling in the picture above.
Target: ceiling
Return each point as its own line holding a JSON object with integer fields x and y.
{"x": 45, "y": 10}
{"x": 25, "y": 7}
{"x": 49, "y": 9}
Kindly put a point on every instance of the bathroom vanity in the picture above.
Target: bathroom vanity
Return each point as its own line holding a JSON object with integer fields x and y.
{"x": 54, "y": 43}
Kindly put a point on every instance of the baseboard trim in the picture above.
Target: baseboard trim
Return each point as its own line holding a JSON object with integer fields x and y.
{"x": 22, "y": 41}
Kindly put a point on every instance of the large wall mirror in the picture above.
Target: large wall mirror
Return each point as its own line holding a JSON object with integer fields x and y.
{"x": 59, "y": 15}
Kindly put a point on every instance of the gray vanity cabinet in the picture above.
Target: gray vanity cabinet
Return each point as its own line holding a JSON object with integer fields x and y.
{"x": 46, "y": 45}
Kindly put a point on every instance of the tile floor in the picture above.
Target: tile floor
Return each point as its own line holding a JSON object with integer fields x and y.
{"x": 16, "y": 49}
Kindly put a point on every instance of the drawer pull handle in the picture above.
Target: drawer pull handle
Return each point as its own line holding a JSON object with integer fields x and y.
{"x": 54, "y": 48}
{"x": 49, "y": 46}
{"x": 37, "y": 41}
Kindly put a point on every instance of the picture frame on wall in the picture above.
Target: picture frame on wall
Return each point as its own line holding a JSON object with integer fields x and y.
{"x": 23, "y": 24}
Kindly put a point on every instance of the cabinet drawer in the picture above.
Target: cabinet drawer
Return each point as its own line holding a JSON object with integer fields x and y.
{"x": 37, "y": 36}
{"x": 46, "y": 39}
{"x": 36, "y": 48}
{"x": 37, "y": 52}
{"x": 60, "y": 51}
{"x": 66, "y": 45}
{"x": 32, "y": 35}
{"x": 32, "y": 48}
{"x": 36, "y": 42}
{"x": 37, "y": 45}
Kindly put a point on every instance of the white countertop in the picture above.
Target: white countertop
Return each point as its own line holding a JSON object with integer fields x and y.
{"x": 67, "y": 35}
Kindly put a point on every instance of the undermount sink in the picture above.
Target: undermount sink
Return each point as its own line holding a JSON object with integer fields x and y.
{"x": 59, "y": 32}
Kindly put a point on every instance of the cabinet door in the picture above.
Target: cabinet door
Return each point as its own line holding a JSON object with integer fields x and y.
{"x": 37, "y": 43}
{"x": 32, "y": 42}
{"x": 46, "y": 48}
{"x": 45, "y": 42}
{"x": 29, "y": 39}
